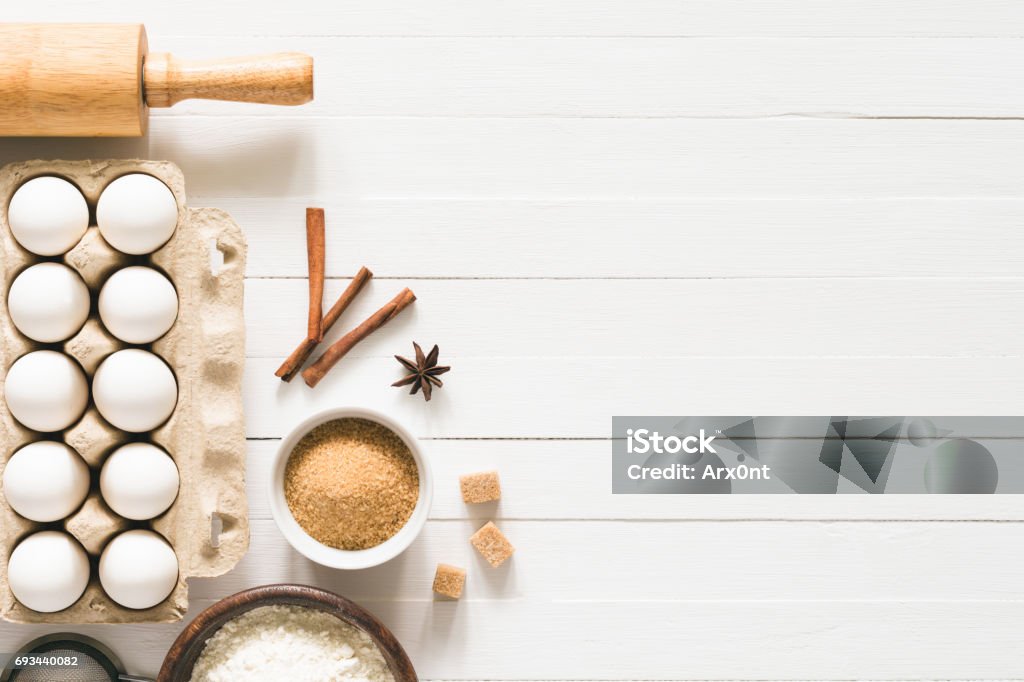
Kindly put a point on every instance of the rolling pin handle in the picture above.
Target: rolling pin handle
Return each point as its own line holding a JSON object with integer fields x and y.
{"x": 283, "y": 78}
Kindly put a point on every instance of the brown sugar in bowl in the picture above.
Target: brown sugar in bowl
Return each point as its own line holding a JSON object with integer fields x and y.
{"x": 351, "y": 483}
{"x": 366, "y": 547}
{"x": 183, "y": 654}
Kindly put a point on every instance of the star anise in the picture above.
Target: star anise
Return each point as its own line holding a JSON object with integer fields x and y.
{"x": 423, "y": 372}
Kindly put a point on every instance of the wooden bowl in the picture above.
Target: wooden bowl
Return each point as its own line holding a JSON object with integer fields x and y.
{"x": 177, "y": 665}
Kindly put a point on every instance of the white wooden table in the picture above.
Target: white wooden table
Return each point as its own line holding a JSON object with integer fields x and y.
{"x": 633, "y": 207}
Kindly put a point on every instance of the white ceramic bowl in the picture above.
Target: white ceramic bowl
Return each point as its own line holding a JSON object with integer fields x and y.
{"x": 316, "y": 551}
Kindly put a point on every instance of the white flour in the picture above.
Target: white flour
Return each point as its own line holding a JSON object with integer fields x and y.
{"x": 290, "y": 643}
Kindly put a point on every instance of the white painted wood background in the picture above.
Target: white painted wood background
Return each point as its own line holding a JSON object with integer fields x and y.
{"x": 634, "y": 206}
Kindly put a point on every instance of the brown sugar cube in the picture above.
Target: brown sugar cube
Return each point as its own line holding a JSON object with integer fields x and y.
{"x": 481, "y": 487}
{"x": 492, "y": 544}
{"x": 449, "y": 580}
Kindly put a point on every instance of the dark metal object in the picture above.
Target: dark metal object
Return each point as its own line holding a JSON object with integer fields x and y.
{"x": 95, "y": 662}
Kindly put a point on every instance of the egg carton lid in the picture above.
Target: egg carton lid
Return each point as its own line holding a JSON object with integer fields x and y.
{"x": 205, "y": 435}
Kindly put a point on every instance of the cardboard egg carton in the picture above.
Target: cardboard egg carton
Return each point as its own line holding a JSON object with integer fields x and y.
{"x": 205, "y": 435}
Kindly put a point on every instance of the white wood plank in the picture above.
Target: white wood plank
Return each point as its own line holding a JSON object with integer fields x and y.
{"x": 767, "y": 569}
{"x": 515, "y": 397}
{"x": 271, "y": 157}
{"x": 748, "y": 640}
{"x": 668, "y": 639}
{"x": 536, "y": 17}
{"x": 745, "y": 238}
{"x": 661, "y": 318}
{"x": 641, "y": 77}
{"x": 769, "y": 561}
{"x": 563, "y": 479}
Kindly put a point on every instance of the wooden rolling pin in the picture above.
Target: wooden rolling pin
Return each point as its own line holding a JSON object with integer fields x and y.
{"x": 99, "y": 80}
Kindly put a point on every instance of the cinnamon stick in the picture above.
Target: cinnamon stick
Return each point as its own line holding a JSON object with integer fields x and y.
{"x": 316, "y": 255}
{"x": 346, "y": 298}
{"x": 319, "y": 369}
{"x": 290, "y": 367}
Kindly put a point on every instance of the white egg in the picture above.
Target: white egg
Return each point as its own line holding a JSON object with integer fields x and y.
{"x": 48, "y": 302}
{"x": 46, "y": 390}
{"x": 48, "y": 571}
{"x": 138, "y": 305}
{"x": 138, "y": 569}
{"x": 45, "y": 481}
{"x": 48, "y": 216}
{"x": 139, "y": 481}
{"x": 135, "y": 390}
{"x": 137, "y": 213}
